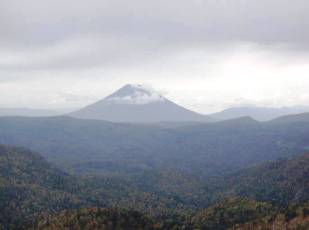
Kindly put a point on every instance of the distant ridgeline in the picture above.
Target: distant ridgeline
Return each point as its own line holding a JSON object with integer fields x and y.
{"x": 206, "y": 149}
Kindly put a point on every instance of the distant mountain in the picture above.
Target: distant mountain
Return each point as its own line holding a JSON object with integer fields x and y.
{"x": 302, "y": 117}
{"x": 137, "y": 104}
{"x": 99, "y": 146}
{"x": 258, "y": 113}
{"x": 26, "y": 112}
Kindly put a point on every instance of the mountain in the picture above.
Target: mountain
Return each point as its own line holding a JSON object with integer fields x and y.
{"x": 26, "y": 112}
{"x": 88, "y": 146}
{"x": 303, "y": 117}
{"x": 137, "y": 104}
{"x": 258, "y": 113}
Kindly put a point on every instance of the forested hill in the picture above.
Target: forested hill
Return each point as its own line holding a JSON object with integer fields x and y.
{"x": 96, "y": 218}
{"x": 29, "y": 186}
{"x": 22, "y": 166}
{"x": 89, "y": 146}
{"x": 283, "y": 182}
{"x": 33, "y": 190}
{"x": 227, "y": 214}
{"x": 234, "y": 213}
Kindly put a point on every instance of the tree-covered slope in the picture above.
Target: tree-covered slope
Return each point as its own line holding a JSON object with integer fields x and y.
{"x": 96, "y": 218}
{"x": 232, "y": 212}
{"x": 292, "y": 218}
{"x": 30, "y": 186}
{"x": 249, "y": 214}
{"x": 283, "y": 182}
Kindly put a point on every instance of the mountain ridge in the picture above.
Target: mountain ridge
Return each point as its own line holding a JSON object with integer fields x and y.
{"x": 258, "y": 113}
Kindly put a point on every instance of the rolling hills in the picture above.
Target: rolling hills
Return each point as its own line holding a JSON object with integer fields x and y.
{"x": 30, "y": 186}
{"x": 91, "y": 146}
{"x": 33, "y": 191}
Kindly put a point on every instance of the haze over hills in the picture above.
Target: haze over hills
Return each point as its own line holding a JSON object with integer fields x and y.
{"x": 211, "y": 148}
{"x": 138, "y": 104}
{"x": 294, "y": 118}
{"x": 27, "y": 112}
{"x": 258, "y": 113}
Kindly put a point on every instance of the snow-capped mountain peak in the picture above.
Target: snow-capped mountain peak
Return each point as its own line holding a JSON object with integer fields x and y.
{"x": 137, "y": 104}
{"x": 134, "y": 94}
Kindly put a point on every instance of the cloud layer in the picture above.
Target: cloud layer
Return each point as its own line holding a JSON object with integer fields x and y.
{"x": 206, "y": 54}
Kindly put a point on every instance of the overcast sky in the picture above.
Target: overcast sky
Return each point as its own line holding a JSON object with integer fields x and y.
{"x": 203, "y": 54}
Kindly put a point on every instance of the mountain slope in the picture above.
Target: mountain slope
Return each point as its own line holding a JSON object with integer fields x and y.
{"x": 234, "y": 213}
{"x": 135, "y": 103}
{"x": 258, "y": 113}
{"x": 29, "y": 186}
{"x": 283, "y": 182}
{"x": 96, "y": 218}
{"x": 292, "y": 119}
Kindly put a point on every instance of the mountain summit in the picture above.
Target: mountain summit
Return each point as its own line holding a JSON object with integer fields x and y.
{"x": 134, "y": 94}
{"x": 138, "y": 104}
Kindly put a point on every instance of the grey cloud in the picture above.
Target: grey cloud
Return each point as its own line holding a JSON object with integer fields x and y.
{"x": 249, "y": 20}
{"x": 76, "y": 34}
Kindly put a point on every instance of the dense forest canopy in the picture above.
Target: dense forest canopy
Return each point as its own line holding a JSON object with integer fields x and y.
{"x": 36, "y": 194}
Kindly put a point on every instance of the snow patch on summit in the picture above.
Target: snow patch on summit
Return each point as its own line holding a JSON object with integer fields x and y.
{"x": 135, "y": 94}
